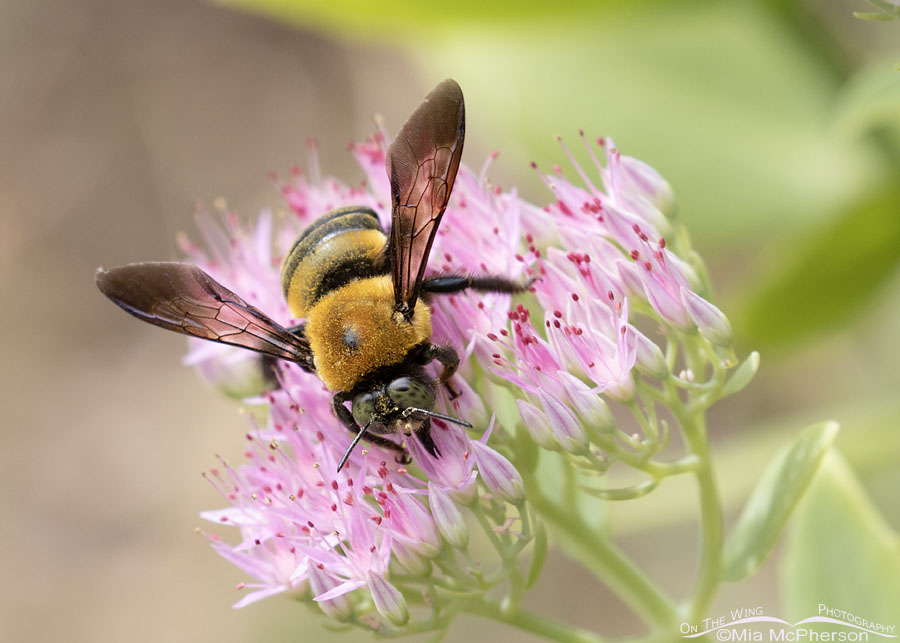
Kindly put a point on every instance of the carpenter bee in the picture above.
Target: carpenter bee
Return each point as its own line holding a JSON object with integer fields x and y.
{"x": 366, "y": 332}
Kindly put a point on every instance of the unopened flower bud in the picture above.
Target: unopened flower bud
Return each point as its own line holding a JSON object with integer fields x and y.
{"x": 650, "y": 360}
{"x": 711, "y": 322}
{"x": 631, "y": 282}
{"x": 537, "y": 425}
{"x": 320, "y": 582}
{"x": 665, "y": 302}
{"x": 564, "y": 425}
{"x": 414, "y": 524}
{"x": 447, "y": 517}
{"x": 498, "y": 473}
{"x": 636, "y": 177}
{"x": 388, "y": 600}
{"x": 588, "y": 404}
{"x": 409, "y": 558}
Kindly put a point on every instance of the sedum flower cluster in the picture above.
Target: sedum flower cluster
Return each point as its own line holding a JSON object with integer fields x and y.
{"x": 616, "y": 326}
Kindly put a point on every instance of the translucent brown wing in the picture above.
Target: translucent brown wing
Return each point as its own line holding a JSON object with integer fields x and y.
{"x": 183, "y": 298}
{"x": 422, "y": 163}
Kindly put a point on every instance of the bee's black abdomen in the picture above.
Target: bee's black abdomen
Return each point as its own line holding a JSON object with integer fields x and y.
{"x": 338, "y": 247}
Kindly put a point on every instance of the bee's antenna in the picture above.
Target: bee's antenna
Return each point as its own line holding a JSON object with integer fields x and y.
{"x": 356, "y": 440}
{"x": 440, "y": 416}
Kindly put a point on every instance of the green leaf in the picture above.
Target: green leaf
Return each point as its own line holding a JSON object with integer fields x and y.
{"x": 821, "y": 280}
{"x": 742, "y": 376}
{"x": 770, "y": 505}
{"x": 886, "y": 6}
{"x": 384, "y": 20}
{"x": 667, "y": 80}
{"x": 840, "y": 552}
{"x": 874, "y": 17}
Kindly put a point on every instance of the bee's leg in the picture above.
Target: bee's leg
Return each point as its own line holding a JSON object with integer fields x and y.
{"x": 444, "y": 284}
{"x": 449, "y": 360}
{"x": 424, "y": 435}
{"x": 346, "y": 418}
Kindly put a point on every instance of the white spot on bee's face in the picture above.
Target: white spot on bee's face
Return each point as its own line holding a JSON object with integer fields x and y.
{"x": 351, "y": 338}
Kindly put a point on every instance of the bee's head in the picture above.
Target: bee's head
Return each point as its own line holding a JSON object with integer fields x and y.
{"x": 392, "y": 407}
{"x": 401, "y": 405}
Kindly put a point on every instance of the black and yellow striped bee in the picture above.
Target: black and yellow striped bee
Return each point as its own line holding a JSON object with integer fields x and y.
{"x": 367, "y": 334}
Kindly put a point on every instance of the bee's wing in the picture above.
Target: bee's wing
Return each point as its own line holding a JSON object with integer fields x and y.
{"x": 422, "y": 163}
{"x": 183, "y": 298}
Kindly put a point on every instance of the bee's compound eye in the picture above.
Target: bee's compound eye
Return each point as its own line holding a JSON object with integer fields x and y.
{"x": 407, "y": 392}
{"x": 363, "y": 408}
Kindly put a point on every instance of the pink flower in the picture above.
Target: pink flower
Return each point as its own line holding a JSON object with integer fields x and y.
{"x": 597, "y": 256}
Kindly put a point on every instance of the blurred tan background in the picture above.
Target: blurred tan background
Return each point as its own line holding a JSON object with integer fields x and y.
{"x": 115, "y": 117}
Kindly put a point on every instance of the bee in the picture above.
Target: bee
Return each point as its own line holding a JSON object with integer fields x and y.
{"x": 362, "y": 292}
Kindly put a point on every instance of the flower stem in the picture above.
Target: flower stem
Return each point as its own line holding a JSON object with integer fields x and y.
{"x": 606, "y": 562}
{"x": 532, "y": 623}
{"x": 692, "y": 417}
{"x": 710, "y": 517}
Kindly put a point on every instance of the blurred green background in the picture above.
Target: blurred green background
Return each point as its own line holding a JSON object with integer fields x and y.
{"x": 777, "y": 123}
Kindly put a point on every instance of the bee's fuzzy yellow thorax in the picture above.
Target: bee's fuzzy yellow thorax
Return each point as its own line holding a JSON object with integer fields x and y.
{"x": 353, "y": 331}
